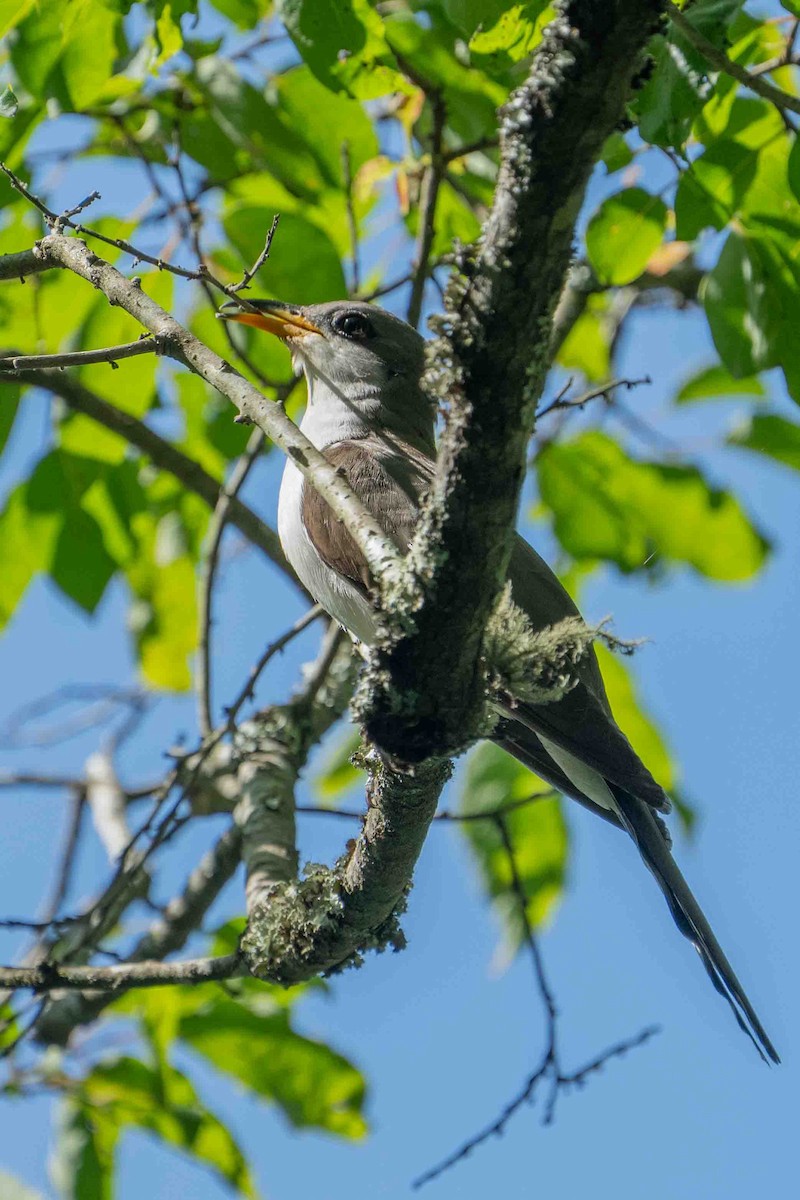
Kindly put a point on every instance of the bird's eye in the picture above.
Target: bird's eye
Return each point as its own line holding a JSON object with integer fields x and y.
{"x": 353, "y": 325}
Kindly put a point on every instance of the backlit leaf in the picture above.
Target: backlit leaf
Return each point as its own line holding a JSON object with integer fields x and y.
{"x": 717, "y": 381}
{"x": 632, "y": 513}
{"x": 773, "y": 436}
{"x": 537, "y": 831}
{"x": 626, "y": 229}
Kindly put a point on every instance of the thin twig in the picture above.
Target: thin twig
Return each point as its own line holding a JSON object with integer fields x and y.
{"x": 314, "y": 613}
{"x": 262, "y": 258}
{"x": 56, "y": 222}
{"x": 562, "y": 401}
{"x": 719, "y": 59}
{"x": 81, "y": 358}
{"x": 352, "y": 223}
{"x": 427, "y": 208}
{"x": 549, "y": 1066}
{"x": 68, "y": 854}
{"x": 216, "y": 530}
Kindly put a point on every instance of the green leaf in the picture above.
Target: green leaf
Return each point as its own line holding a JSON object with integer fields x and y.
{"x": 303, "y": 265}
{"x": 772, "y": 436}
{"x": 616, "y": 153}
{"x": 245, "y": 14}
{"x": 8, "y": 102}
{"x": 126, "y": 1093}
{"x": 679, "y": 85}
{"x": 509, "y": 36}
{"x": 745, "y": 310}
{"x": 81, "y": 566}
{"x": 712, "y": 188}
{"x": 82, "y": 1164}
{"x": 716, "y": 380}
{"x": 623, "y": 234}
{"x": 586, "y": 346}
{"x": 537, "y": 831}
{"x": 471, "y": 98}
{"x": 9, "y": 403}
{"x": 327, "y": 121}
{"x": 12, "y": 12}
{"x": 90, "y": 50}
{"x": 344, "y": 44}
{"x": 608, "y": 506}
{"x": 311, "y": 1083}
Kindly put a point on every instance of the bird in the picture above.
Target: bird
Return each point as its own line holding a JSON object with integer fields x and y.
{"x": 369, "y": 415}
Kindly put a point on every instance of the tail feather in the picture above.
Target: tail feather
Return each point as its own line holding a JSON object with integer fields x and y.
{"x": 688, "y": 916}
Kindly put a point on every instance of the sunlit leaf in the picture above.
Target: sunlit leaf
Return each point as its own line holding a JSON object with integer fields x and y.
{"x": 312, "y": 1084}
{"x": 12, "y": 12}
{"x": 513, "y": 34}
{"x": 749, "y": 297}
{"x": 82, "y": 1162}
{"x": 773, "y": 436}
{"x": 126, "y": 1093}
{"x": 717, "y": 381}
{"x": 586, "y": 346}
{"x": 626, "y": 229}
{"x": 344, "y": 44}
{"x": 632, "y": 513}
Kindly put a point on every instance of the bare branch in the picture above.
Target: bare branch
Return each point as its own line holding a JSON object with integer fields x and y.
{"x": 427, "y": 210}
{"x": 80, "y": 358}
{"x": 549, "y": 1067}
{"x": 262, "y": 258}
{"x": 46, "y": 977}
{"x": 219, "y": 519}
{"x": 181, "y": 918}
{"x": 603, "y": 392}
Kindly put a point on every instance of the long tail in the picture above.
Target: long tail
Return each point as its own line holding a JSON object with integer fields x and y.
{"x": 641, "y": 824}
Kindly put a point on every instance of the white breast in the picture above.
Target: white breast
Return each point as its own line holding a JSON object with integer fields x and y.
{"x": 336, "y": 595}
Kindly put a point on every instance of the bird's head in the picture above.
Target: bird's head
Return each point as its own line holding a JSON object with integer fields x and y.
{"x": 346, "y": 343}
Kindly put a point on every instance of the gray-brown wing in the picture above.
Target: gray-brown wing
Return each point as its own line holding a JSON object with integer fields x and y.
{"x": 388, "y": 480}
{"x": 581, "y": 722}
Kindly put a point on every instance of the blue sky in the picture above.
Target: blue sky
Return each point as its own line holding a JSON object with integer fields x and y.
{"x": 443, "y": 1039}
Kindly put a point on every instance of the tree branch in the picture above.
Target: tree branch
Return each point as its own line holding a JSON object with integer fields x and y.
{"x": 488, "y": 368}
{"x": 380, "y": 552}
{"x": 48, "y": 978}
{"x": 219, "y": 519}
{"x": 80, "y": 358}
{"x": 180, "y": 920}
{"x": 719, "y": 59}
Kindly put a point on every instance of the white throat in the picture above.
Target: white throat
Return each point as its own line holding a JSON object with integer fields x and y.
{"x": 333, "y": 416}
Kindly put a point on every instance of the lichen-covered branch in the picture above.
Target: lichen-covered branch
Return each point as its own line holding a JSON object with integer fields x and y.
{"x": 488, "y": 368}
{"x": 181, "y": 918}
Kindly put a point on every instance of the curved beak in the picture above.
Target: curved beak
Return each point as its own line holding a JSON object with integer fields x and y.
{"x": 285, "y": 321}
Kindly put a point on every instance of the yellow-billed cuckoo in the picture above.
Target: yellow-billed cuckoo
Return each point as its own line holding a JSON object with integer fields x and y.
{"x": 367, "y": 412}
